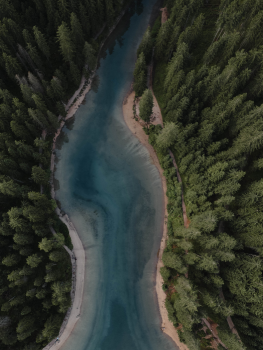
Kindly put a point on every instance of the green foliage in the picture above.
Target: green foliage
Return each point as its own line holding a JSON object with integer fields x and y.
{"x": 211, "y": 95}
{"x": 156, "y": 27}
{"x": 165, "y": 273}
{"x": 45, "y": 47}
{"x": 65, "y": 43}
{"x": 90, "y": 56}
{"x": 51, "y": 328}
{"x": 41, "y": 42}
{"x": 11, "y": 260}
{"x": 57, "y": 255}
{"x": 230, "y": 340}
{"x": 167, "y": 137}
{"x": 61, "y": 227}
{"x": 34, "y": 260}
{"x": 146, "y": 46}
{"x": 162, "y": 38}
{"x": 146, "y": 106}
{"x": 139, "y": 74}
{"x": 39, "y": 175}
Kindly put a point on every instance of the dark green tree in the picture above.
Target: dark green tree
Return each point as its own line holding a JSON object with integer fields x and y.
{"x": 146, "y": 106}
{"x": 146, "y": 46}
{"x": 65, "y": 43}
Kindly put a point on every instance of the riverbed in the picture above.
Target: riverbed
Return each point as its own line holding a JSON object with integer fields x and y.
{"x": 112, "y": 192}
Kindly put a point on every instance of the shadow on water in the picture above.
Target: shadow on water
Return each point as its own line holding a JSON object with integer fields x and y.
{"x": 95, "y": 84}
{"x": 70, "y": 123}
{"x": 138, "y": 7}
{"x": 61, "y": 140}
{"x": 123, "y": 26}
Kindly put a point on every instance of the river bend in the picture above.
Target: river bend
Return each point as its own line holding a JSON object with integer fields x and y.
{"x": 112, "y": 193}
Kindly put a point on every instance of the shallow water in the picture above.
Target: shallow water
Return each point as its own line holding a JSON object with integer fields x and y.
{"x": 113, "y": 194}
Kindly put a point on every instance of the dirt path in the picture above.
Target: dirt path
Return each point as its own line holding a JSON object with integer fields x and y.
{"x": 214, "y": 332}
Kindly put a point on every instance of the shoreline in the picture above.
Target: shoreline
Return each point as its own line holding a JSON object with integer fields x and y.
{"x": 78, "y": 253}
{"x": 136, "y": 128}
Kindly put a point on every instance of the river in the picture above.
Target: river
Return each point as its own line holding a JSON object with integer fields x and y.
{"x": 113, "y": 194}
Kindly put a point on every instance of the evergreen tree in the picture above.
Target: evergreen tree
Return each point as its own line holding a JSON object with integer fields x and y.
{"x": 65, "y": 43}
{"x": 168, "y": 136}
{"x": 76, "y": 30}
{"x": 11, "y": 260}
{"x": 146, "y": 106}
{"x": 163, "y": 37}
{"x": 41, "y": 42}
{"x": 39, "y": 175}
{"x": 146, "y": 46}
{"x": 84, "y": 20}
{"x": 140, "y": 84}
{"x": 34, "y": 260}
{"x": 75, "y": 73}
{"x": 140, "y": 75}
{"x": 57, "y": 88}
{"x": 90, "y": 56}
{"x": 11, "y": 65}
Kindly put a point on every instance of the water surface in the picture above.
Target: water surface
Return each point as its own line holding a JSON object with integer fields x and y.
{"x": 113, "y": 194}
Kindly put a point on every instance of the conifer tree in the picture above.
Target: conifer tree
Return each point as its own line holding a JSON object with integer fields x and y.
{"x": 11, "y": 260}
{"x": 84, "y": 20}
{"x": 64, "y": 8}
{"x": 41, "y": 42}
{"x": 65, "y": 42}
{"x": 34, "y": 260}
{"x": 90, "y": 56}
{"x": 168, "y": 136}
{"x": 109, "y": 11}
{"x": 75, "y": 73}
{"x": 46, "y": 244}
{"x": 163, "y": 37}
{"x": 146, "y": 46}
{"x": 10, "y": 188}
{"x": 11, "y": 65}
{"x": 146, "y": 106}
{"x": 140, "y": 75}
{"x": 57, "y": 88}
{"x": 39, "y": 175}
{"x": 76, "y": 31}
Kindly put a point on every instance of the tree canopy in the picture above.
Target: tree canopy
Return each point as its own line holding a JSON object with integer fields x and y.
{"x": 207, "y": 80}
{"x": 146, "y": 105}
{"x": 45, "y": 47}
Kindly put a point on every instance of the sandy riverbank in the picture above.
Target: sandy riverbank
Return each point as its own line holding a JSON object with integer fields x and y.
{"x": 137, "y": 130}
{"x": 78, "y": 256}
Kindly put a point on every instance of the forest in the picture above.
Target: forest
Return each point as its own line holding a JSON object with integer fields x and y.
{"x": 46, "y": 46}
{"x": 208, "y": 71}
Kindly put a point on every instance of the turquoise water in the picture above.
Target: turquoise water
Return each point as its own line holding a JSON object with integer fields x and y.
{"x": 112, "y": 192}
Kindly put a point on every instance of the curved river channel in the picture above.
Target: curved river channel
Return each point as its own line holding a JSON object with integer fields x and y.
{"x": 112, "y": 193}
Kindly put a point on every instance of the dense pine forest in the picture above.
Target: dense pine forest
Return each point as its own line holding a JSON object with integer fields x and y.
{"x": 46, "y": 46}
{"x": 208, "y": 70}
